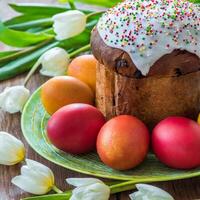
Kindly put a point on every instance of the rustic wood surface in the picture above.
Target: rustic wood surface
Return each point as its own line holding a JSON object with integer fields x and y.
{"x": 181, "y": 190}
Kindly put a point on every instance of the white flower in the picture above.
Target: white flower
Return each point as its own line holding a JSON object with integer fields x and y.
{"x": 12, "y": 150}
{"x": 12, "y": 99}
{"x": 54, "y": 62}
{"x": 88, "y": 188}
{"x": 149, "y": 192}
{"x": 69, "y": 24}
{"x": 35, "y": 178}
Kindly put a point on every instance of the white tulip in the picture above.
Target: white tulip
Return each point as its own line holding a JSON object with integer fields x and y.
{"x": 69, "y": 24}
{"x": 13, "y": 99}
{"x": 35, "y": 178}
{"x": 149, "y": 192}
{"x": 12, "y": 150}
{"x": 54, "y": 62}
{"x": 88, "y": 188}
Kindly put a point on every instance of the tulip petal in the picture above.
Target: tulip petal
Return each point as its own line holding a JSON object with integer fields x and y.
{"x": 12, "y": 150}
{"x": 41, "y": 169}
{"x": 38, "y": 178}
{"x": 54, "y": 62}
{"x": 94, "y": 191}
{"x": 77, "y": 182}
{"x": 12, "y": 99}
{"x": 149, "y": 192}
{"x": 89, "y": 188}
{"x": 69, "y": 24}
{"x": 35, "y": 178}
{"x": 28, "y": 185}
{"x": 137, "y": 196}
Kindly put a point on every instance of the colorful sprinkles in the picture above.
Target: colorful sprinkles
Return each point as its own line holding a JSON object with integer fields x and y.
{"x": 149, "y": 29}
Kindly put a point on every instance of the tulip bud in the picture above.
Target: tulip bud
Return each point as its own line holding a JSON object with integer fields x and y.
{"x": 12, "y": 99}
{"x": 88, "y": 188}
{"x": 54, "y": 62}
{"x": 149, "y": 192}
{"x": 69, "y": 24}
{"x": 35, "y": 178}
{"x": 12, "y": 150}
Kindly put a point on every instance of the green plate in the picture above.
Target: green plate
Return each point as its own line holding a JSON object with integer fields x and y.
{"x": 33, "y": 123}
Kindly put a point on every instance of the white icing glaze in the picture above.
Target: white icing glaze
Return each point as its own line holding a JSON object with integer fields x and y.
{"x": 149, "y": 29}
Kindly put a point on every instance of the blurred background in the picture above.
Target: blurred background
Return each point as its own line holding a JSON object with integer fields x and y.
{"x": 6, "y": 12}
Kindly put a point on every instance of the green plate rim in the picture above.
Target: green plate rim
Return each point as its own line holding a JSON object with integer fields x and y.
{"x": 93, "y": 173}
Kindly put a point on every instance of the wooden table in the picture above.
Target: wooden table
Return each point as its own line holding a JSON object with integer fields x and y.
{"x": 181, "y": 190}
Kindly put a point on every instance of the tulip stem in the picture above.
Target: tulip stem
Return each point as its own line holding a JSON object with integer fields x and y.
{"x": 72, "y": 5}
{"x": 78, "y": 51}
{"x": 121, "y": 187}
{"x": 31, "y": 72}
{"x": 57, "y": 190}
{"x": 94, "y": 13}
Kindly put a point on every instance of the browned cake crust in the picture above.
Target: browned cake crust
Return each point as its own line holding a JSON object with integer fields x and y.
{"x": 172, "y": 87}
{"x": 150, "y": 99}
{"x": 177, "y": 63}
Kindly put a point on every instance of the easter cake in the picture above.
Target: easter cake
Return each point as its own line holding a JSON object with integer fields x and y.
{"x": 148, "y": 54}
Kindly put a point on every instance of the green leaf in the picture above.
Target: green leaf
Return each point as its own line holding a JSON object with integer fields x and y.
{"x": 19, "y": 38}
{"x": 64, "y": 196}
{"x": 4, "y": 54}
{"x": 78, "y": 41}
{"x": 20, "y": 53}
{"x": 195, "y": 1}
{"x": 48, "y": 31}
{"x": 24, "y": 63}
{"x": 24, "y": 18}
{"x": 46, "y": 10}
{"x": 105, "y": 3}
{"x": 35, "y": 8}
{"x": 92, "y": 20}
{"x": 46, "y": 22}
{"x": 38, "y": 30}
